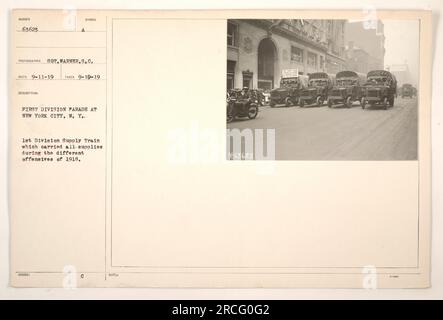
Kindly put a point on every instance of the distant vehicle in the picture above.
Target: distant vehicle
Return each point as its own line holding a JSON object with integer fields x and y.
{"x": 380, "y": 89}
{"x": 264, "y": 96}
{"x": 289, "y": 91}
{"x": 267, "y": 96}
{"x": 318, "y": 87}
{"x": 347, "y": 88}
{"x": 241, "y": 104}
{"x": 407, "y": 90}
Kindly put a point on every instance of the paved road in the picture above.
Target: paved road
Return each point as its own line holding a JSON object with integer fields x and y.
{"x": 321, "y": 133}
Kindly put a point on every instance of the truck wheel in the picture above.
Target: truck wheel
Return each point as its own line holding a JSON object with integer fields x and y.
{"x": 288, "y": 102}
{"x": 391, "y": 102}
{"x": 363, "y": 103}
{"x": 348, "y": 102}
{"x": 385, "y": 103}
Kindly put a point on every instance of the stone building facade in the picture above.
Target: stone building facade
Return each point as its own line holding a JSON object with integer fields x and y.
{"x": 364, "y": 47}
{"x": 358, "y": 60}
{"x": 259, "y": 50}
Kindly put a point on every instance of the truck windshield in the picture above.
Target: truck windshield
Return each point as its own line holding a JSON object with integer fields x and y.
{"x": 318, "y": 82}
{"x": 288, "y": 83}
{"x": 377, "y": 80}
{"x": 346, "y": 82}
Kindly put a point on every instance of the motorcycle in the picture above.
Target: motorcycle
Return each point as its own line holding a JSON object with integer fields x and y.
{"x": 241, "y": 107}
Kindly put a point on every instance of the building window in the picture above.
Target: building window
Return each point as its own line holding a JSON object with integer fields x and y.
{"x": 312, "y": 59}
{"x": 296, "y": 54}
{"x": 232, "y": 34}
{"x": 247, "y": 79}
{"x": 230, "y": 75}
{"x": 265, "y": 84}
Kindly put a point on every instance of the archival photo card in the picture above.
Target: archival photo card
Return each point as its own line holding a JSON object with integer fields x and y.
{"x": 124, "y": 171}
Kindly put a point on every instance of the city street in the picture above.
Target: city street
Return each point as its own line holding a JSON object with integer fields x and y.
{"x": 322, "y": 133}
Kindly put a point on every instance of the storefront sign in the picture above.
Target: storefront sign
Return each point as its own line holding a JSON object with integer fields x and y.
{"x": 289, "y": 73}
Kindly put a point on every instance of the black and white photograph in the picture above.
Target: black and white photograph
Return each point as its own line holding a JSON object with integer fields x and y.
{"x": 322, "y": 89}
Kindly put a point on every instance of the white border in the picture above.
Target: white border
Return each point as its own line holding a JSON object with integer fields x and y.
{"x": 436, "y": 291}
